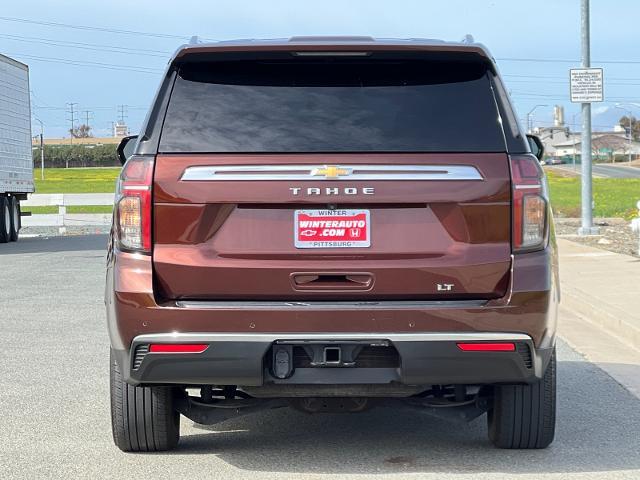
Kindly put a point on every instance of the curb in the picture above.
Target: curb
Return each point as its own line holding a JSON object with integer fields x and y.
{"x": 606, "y": 316}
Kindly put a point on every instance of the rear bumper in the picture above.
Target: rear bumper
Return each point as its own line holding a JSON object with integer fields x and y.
{"x": 425, "y": 359}
{"x": 424, "y": 332}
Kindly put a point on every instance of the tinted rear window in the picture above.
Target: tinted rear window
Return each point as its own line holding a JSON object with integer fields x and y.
{"x": 302, "y": 106}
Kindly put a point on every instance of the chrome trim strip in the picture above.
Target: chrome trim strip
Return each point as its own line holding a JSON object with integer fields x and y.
{"x": 311, "y": 172}
{"x": 524, "y": 187}
{"x": 272, "y": 337}
{"x": 319, "y": 305}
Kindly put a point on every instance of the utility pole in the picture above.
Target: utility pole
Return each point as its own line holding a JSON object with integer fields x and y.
{"x": 630, "y": 137}
{"x": 122, "y": 113}
{"x": 72, "y": 119}
{"x": 575, "y": 144}
{"x": 41, "y": 147}
{"x": 587, "y": 227}
{"x": 628, "y": 112}
{"x": 87, "y": 113}
{"x": 42, "y": 154}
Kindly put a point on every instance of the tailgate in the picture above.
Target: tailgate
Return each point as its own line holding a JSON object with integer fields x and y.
{"x": 433, "y": 226}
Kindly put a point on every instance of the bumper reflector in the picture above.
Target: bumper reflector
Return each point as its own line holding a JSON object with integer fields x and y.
{"x": 178, "y": 348}
{"x": 487, "y": 347}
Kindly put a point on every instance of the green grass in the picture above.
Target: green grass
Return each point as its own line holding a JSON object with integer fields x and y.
{"x": 613, "y": 197}
{"x": 77, "y": 180}
{"x": 74, "y": 209}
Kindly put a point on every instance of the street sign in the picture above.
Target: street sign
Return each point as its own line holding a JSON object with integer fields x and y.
{"x": 586, "y": 85}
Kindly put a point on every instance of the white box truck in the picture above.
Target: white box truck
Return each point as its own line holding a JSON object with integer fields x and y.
{"x": 16, "y": 161}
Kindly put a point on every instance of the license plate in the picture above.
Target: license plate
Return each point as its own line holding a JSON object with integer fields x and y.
{"x": 332, "y": 228}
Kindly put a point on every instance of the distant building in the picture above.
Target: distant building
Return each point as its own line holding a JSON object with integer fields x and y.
{"x": 120, "y": 129}
{"x": 553, "y": 137}
{"x": 561, "y": 142}
{"x": 606, "y": 146}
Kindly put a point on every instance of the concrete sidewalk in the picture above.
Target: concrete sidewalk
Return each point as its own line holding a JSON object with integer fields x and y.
{"x": 602, "y": 288}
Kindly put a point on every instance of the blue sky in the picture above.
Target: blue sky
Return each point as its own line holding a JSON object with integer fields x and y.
{"x": 519, "y": 33}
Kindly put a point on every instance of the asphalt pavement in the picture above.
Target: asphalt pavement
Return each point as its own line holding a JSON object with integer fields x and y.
{"x": 55, "y": 420}
{"x": 605, "y": 171}
{"x": 616, "y": 171}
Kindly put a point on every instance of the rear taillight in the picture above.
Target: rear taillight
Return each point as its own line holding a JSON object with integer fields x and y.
{"x": 133, "y": 205}
{"x": 178, "y": 347}
{"x": 530, "y": 204}
{"x": 487, "y": 347}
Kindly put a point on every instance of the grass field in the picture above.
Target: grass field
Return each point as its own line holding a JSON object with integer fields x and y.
{"x": 614, "y": 197}
{"x": 74, "y": 209}
{"x": 75, "y": 180}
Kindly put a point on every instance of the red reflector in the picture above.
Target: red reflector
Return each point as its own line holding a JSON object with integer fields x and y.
{"x": 178, "y": 348}
{"x": 487, "y": 347}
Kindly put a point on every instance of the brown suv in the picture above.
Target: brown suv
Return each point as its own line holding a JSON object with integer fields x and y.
{"x": 331, "y": 224}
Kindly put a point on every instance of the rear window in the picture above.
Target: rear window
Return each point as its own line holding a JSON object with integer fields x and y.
{"x": 332, "y": 106}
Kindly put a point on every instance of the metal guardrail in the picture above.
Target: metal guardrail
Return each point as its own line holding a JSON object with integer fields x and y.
{"x": 62, "y": 219}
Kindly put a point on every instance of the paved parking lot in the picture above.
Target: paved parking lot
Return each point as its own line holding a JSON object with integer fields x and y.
{"x": 55, "y": 411}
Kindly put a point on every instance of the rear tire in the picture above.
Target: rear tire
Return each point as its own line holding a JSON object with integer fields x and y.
{"x": 14, "y": 210}
{"x": 143, "y": 419}
{"x": 5, "y": 220}
{"x": 524, "y": 416}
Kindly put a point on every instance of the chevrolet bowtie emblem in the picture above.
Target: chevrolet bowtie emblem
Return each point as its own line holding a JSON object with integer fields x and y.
{"x": 331, "y": 172}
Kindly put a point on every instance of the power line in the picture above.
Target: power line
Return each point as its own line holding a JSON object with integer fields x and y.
{"x": 93, "y": 108}
{"x": 185, "y": 37}
{"x": 558, "y": 60}
{"x": 86, "y": 46}
{"x": 565, "y": 77}
{"x": 560, "y": 82}
{"x": 33, "y": 94}
{"x": 83, "y": 63}
{"x": 566, "y": 95}
{"x": 98, "y": 29}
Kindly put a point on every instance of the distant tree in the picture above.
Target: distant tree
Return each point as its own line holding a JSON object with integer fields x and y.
{"x": 81, "y": 131}
{"x": 635, "y": 126}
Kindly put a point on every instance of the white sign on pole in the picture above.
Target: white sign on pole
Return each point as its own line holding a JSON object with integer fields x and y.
{"x": 586, "y": 85}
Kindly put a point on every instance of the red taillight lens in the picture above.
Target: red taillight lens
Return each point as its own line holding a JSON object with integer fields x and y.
{"x": 530, "y": 204}
{"x": 487, "y": 347}
{"x": 133, "y": 205}
{"x": 178, "y": 347}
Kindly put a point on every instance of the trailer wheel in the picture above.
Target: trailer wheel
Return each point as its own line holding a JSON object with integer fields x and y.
{"x": 5, "y": 220}
{"x": 14, "y": 209}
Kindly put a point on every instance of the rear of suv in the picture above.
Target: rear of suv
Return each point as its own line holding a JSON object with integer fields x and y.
{"x": 331, "y": 224}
